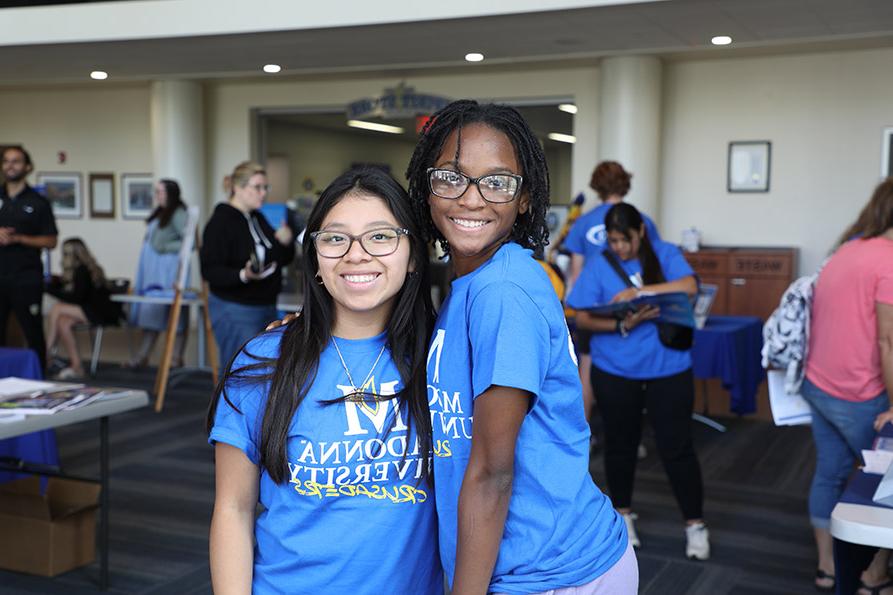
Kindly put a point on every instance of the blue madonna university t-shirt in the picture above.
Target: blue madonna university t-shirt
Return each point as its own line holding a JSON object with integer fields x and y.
{"x": 640, "y": 355}
{"x": 352, "y": 516}
{"x": 502, "y": 324}
{"x": 589, "y": 237}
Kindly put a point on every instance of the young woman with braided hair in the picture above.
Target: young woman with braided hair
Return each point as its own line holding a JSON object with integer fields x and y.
{"x": 517, "y": 509}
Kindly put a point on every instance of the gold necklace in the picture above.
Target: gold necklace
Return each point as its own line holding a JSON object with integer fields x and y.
{"x": 357, "y": 394}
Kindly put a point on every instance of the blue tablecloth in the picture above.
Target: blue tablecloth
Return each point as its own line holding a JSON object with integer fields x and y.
{"x": 728, "y": 348}
{"x": 39, "y": 447}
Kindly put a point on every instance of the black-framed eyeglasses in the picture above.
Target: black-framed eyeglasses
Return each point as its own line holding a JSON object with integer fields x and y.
{"x": 376, "y": 242}
{"x": 495, "y": 188}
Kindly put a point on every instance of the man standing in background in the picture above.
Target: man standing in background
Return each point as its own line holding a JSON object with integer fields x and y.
{"x": 27, "y": 225}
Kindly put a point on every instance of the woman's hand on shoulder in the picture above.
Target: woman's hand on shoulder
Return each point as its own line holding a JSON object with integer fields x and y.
{"x": 284, "y": 235}
{"x": 277, "y": 323}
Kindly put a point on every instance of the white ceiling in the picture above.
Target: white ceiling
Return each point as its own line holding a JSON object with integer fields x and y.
{"x": 675, "y": 28}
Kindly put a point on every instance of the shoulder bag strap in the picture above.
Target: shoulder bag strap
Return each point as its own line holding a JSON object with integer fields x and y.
{"x": 612, "y": 260}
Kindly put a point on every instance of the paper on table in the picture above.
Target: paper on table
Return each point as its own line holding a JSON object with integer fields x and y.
{"x": 877, "y": 461}
{"x": 787, "y": 409}
{"x": 13, "y": 386}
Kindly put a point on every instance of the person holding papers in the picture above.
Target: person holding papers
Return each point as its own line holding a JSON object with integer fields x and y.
{"x": 633, "y": 369}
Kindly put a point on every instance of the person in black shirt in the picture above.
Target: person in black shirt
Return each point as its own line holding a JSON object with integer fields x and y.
{"x": 241, "y": 259}
{"x": 26, "y": 226}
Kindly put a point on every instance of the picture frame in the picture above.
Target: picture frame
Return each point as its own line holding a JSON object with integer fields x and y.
{"x": 136, "y": 195}
{"x": 556, "y": 217}
{"x": 749, "y": 166}
{"x": 102, "y": 196}
{"x": 63, "y": 190}
{"x": 887, "y": 153}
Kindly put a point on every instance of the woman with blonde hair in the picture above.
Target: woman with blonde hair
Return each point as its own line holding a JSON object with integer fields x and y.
{"x": 241, "y": 259}
{"x": 83, "y": 298}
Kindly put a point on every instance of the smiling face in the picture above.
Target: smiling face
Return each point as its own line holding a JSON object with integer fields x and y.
{"x": 475, "y": 228}
{"x": 363, "y": 287}
{"x": 15, "y": 166}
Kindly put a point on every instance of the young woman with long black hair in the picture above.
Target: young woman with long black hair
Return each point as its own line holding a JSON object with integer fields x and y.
{"x": 517, "y": 509}
{"x": 325, "y": 421}
{"x": 633, "y": 370}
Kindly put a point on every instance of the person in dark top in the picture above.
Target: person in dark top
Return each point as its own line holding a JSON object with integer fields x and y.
{"x": 241, "y": 259}
{"x": 83, "y": 298}
{"x": 26, "y": 226}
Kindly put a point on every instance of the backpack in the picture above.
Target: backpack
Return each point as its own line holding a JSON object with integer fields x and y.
{"x": 786, "y": 333}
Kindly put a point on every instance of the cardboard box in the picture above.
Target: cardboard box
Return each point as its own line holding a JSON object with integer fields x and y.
{"x": 51, "y": 533}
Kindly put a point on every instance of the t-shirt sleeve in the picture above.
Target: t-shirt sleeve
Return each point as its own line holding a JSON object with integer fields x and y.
{"x": 509, "y": 340}
{"x": 883, "y": 292}
{"x": 238, "y": 417}
{"x": 576, "y": 237}
{"x": 673, "y": 263}
{"x": 587, "y": 291}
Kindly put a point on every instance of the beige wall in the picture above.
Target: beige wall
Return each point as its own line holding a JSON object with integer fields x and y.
{"x": 823, "y": 113}
{"x": 101, "y": 129}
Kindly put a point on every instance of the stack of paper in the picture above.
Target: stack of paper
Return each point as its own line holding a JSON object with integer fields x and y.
{"x": 787, "y": 409}
{"x": 20, "y": 397}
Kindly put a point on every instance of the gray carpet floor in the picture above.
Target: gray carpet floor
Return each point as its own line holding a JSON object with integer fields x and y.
{"x": 756, "y": 481}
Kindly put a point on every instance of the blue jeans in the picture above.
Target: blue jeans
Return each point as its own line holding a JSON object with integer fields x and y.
{"x": 235, "y": 324}
{"x": 841, "y": 429}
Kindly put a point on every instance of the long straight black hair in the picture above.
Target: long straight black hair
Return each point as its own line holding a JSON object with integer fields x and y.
{"x": 408, "y": 330}
{"x": 530, "y": 229}
{"x": 624, "y": 218}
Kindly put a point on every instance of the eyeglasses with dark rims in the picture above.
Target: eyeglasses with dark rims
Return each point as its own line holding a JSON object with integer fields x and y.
{"x": 452, "y": 184}
{"x": 376, "y": 242}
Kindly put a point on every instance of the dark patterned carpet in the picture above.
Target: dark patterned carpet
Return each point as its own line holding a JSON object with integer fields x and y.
{"x": 757, "y": 477}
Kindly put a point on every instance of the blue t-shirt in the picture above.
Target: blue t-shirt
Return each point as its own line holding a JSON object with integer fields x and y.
{"x": 352, "y": 517}
{"x": 640, "y": 355}
{"x": 502, "y": 324}
{"x": 588, "y": 236}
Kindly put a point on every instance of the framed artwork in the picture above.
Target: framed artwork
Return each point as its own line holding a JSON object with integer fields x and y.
{"x": 63, "y": 190}
{"x": 748, "y": 166}
{"x": 555, "y": 219}
{"x": 887, "y": 153}
{"x": 136, "y": 195}
{"x": 102, "y": 196}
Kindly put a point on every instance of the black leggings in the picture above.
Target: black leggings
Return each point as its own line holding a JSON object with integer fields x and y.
{"x": 24, "y": 299}
{"x": 669, "y": 401}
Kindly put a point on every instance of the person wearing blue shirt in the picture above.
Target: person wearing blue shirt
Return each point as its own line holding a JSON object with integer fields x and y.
{"x": 633, "y": 370}
{"x": 325, "y": 421}
{"x": 517, "y": 510}
{"x": 586, "y": 239}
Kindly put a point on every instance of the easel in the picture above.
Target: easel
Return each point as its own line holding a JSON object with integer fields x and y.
{"x": 190, "y": 239}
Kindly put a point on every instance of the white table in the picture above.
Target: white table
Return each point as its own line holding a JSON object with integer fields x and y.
{"x": 101, "y": 410}
{"x": 865, "y": 525}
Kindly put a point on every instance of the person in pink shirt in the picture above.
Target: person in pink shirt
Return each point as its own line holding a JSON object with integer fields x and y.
{"x": 849, "y": 371}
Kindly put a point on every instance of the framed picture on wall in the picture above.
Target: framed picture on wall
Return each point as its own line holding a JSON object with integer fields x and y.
{"x": 887, "y": 153}
{"x": 748, "y": 166}
{"x": 102, "y": 196}
{"x": 63, "y": 190}
{"x": 136, "y": 195}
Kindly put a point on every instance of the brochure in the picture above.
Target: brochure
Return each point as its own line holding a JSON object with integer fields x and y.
{"x": 674, "y": 307}
{"x": 48, "y": 402}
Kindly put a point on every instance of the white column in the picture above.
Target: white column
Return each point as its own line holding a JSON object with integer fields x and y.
{"x": 629, "y": 124}
{"x": 178, "y": 137}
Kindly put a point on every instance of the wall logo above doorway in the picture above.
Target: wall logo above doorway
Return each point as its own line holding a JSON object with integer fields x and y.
{"x": 398, "y": 102}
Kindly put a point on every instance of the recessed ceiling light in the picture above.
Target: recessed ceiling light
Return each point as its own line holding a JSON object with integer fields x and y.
{"x": 562, "y": 138}
{"x": 568, "y": 107}
{"x": 721, "y": 40}
{"x": 272, "y": 68}
{"x": 99, "y": 75}
{"x": 375, "y": 126}
{"x": 474, "y": 57}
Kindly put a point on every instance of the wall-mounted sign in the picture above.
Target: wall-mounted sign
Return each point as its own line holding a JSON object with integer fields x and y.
{"x": 399, "y": 102}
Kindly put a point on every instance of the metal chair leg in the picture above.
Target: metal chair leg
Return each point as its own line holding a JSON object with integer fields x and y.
{"x": 97, "y": 348}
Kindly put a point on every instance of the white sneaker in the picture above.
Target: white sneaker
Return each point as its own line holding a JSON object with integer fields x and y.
{"x": 697, "y": 542}
{"x": 629, "y": 518}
